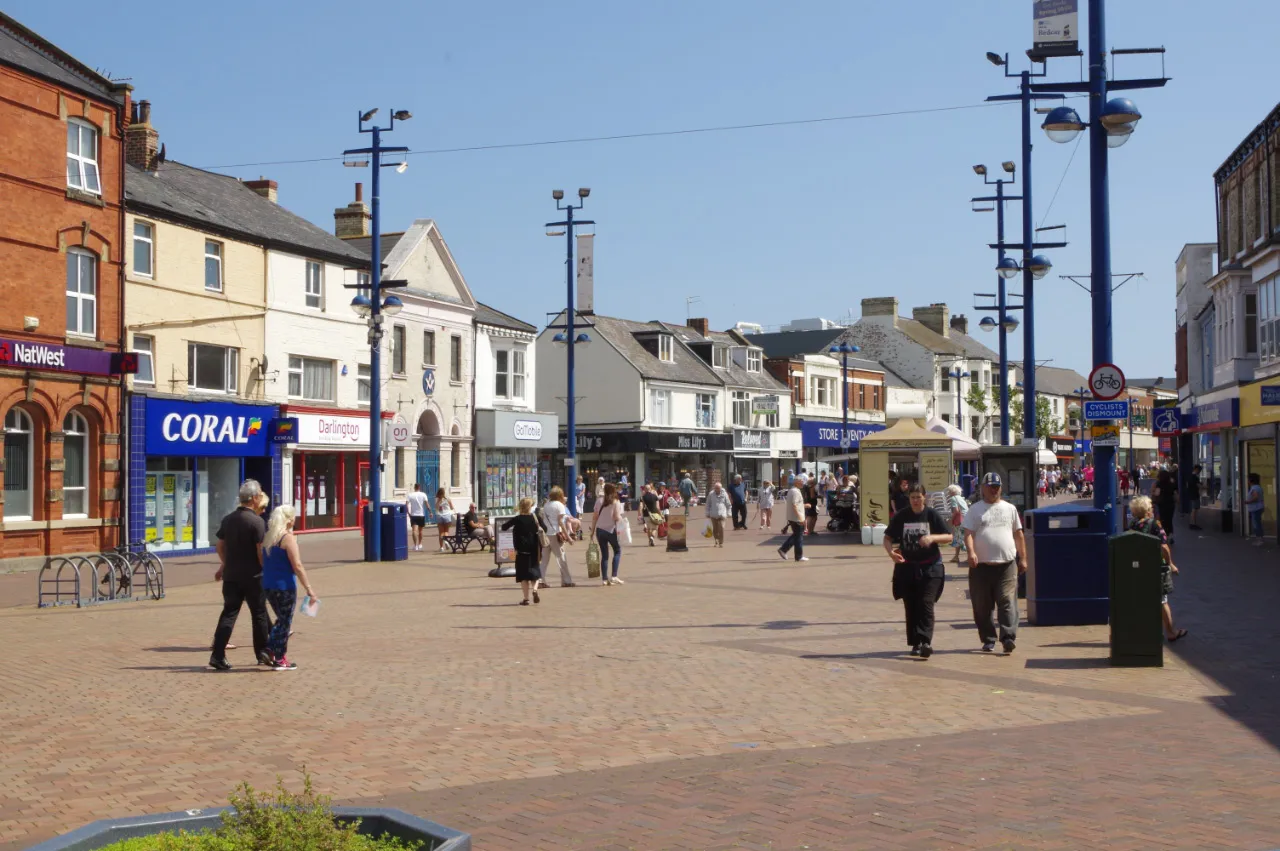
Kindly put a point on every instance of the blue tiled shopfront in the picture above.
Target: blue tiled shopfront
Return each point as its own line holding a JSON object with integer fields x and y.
{"x": 186, "y": 462}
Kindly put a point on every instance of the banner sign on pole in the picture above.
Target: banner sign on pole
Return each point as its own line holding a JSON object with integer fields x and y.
{"x": 1056, "y": 28}
{"x": 1106, "y": 410}
{"x": 586, "y": 272}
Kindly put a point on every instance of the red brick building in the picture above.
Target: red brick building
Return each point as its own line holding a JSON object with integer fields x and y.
{"x": 61, "y": 285}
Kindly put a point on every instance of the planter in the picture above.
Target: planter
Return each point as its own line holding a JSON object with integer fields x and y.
{"x": 374, "y": 822}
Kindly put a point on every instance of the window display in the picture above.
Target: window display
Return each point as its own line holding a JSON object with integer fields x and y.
{"x": 506, "y": 477}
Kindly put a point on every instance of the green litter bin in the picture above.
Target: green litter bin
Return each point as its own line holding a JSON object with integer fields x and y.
{"x": 1137, "y": 635}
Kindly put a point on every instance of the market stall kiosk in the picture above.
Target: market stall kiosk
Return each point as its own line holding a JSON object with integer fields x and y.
{"x": 906, "y": 448}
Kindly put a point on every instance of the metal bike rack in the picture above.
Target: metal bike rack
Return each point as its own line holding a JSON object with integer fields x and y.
{"x": 54, "y": 577}
{"x": 77, "y": 580}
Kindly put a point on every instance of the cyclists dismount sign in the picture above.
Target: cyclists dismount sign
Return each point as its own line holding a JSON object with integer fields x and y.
{"x": 1106, "y": 381}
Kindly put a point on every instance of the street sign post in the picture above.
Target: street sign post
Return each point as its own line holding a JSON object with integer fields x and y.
{"x": 1106, "y": 381}
{"x": 1106, "y": 410}
{"x": 1105, "y": 435}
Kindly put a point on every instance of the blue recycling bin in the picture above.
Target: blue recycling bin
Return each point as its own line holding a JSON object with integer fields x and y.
{"x": 1068, "y": 580}
{"x": 393, "y": 529}
{"x": 968, "y": 483}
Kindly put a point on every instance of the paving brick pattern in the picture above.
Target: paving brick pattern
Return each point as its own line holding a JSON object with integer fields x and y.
{"x": 720, "y": 699}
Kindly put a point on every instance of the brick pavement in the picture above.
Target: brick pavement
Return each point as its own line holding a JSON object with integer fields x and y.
{"x": 721, "y": 699}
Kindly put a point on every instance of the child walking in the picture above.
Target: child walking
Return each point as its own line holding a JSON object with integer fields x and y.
{"x": 528, "y": 551}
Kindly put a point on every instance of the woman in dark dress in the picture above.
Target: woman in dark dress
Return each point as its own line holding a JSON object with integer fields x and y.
{"x": 528, "y": 550}
{"x": 912, "y": 541}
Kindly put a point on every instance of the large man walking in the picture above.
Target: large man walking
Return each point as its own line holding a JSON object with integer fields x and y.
{"x": 994, "y": 540}
{"x": 738, "y": 500}
{"x": 239, "y": 551}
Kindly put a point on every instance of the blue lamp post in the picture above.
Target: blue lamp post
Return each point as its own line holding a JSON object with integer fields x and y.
{"x": 1111, "y": 123}
{"x": 843, "y": 351}
{"x": 371, "y": 307}
{"x": 1006, "y": 270}
{"x": 567, "y": 337}
{"x": 955, "y": 375}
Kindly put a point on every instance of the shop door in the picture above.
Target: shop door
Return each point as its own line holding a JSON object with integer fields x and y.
{"x": 429, "y": 477}
{"x": 362, "y": 473}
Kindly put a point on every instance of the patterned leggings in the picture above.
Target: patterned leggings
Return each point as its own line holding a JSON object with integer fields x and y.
{"x": 282, "y": 603}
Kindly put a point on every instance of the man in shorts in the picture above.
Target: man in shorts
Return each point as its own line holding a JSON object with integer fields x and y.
{"x": 416, "y": 505}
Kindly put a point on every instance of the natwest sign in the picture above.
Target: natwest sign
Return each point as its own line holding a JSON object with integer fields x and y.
{"x": 333, "y": 430}
{"x": 32, "y": 355}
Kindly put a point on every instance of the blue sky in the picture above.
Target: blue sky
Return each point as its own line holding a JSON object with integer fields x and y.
{"x": 763, "y": 225}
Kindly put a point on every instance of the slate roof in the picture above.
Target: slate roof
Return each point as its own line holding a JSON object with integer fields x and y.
{"x": 796, "y": 344}
{"x": 686, "y": 367}
{"x": 222, "y": 204}
{"x": 1054, "y": 380}
{"x": 1168, "y": 384}
{"x": 22, "y": 49}
{"x": 735, "y": 375}
{"x": 364, "y": 244}
{"x": 486, "y": 315}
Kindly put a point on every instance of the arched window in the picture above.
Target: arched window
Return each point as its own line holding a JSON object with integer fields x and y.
{"x": 75, "y": 476}
{"x": 18, "y": 461}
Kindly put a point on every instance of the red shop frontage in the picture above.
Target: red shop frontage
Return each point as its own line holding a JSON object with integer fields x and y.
{"x": 329, "y": 467}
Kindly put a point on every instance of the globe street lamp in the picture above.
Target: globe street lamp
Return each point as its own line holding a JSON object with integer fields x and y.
{"x": 843, "y": 351}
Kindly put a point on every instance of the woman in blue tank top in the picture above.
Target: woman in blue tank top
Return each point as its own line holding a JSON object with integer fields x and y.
{"x": 281, "y": 571}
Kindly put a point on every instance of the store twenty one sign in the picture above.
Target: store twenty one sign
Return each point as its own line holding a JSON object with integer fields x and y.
{"x": 181, "y": 428}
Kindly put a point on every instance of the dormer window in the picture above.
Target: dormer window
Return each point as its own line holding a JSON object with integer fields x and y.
{"x": 720, "y": 357}
{"x": 666, "y": 348}
{"x": 753, "y": 360}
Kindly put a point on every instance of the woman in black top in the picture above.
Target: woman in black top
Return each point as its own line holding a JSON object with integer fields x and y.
{"x": 1165, "y": 495}
{"x": 898, "y": 499}
{"x": 912, "y": 541}
{"x": 528, "y": 550}
{"x": 811, "y": 506}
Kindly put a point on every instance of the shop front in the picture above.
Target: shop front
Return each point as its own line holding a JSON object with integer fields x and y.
{"x": 1063, "y": 448}
{"x": 513, "y": 458}
{"x": 328, "y": 467}
{"x": 1212, "y": 431}
{"x": 822, "y": 447}
{"x": 196, "y": 455}
{"x": 649, "y": 456}
{"x": 1257, "y": 436}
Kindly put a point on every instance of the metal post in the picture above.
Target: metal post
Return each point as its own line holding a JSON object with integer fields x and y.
{"x": 571, "y": 437}
{"x": 845, "y": 443}
{"x": 1004, "y": 336}
{"x": 1104, "y": 457}
{"x": 1029, "y": 429}
{"x": 375, "y": 365}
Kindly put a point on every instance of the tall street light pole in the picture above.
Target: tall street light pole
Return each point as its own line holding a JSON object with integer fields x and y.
{"x": 843, "y": 351}
{"x": 568, "y": 336}
{"x": 372, "y": 307}
{"x": 1111, "y": 123}
{"x": 956, "y": 374}
{"x": 1006, "y": 269}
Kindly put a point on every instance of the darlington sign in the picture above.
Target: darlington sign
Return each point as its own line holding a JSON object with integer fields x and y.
{"x": 206, "y": 428}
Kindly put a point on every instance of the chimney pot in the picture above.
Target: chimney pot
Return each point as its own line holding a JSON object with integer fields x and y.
{"x": 142, "y": 141}
{"x": 960, "y": 323}
{"x": 268, "y": 189}
{"x": 352, "y": 221}
{"x": 359, "y": 192}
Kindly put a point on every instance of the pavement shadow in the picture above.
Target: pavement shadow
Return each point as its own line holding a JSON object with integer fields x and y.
{"x": 197, "y": 669}
{"x": 1078, "y": 663}
{"x": 204, "y": 649}
{"x": 771, "y": 625}
{"x": 882, "y": 654}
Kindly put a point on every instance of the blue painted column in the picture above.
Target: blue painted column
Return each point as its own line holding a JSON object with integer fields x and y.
{"x": 1028, "y": 280}
{"x": 571, "y": 442}
{"x": 1004, "y": 335}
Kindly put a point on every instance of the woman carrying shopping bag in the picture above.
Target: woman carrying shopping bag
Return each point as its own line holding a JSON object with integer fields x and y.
{"x": 609, "y": 518}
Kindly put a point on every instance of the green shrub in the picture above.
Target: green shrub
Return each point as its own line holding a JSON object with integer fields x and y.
{"x": 265, "y": 822}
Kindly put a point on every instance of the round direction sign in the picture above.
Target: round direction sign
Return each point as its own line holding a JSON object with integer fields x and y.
{"x": 1106, "y": 381}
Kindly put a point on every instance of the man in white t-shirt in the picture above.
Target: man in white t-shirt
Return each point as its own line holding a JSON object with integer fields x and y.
{"x": 416, "y": 504}
{"x": 995, "y": 543}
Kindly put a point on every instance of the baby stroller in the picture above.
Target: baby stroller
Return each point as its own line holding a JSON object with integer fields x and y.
{"x": 844, "y": 513}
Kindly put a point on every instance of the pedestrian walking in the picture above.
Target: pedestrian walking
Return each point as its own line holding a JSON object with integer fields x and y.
{"x": 609, "y": 518}
{"x": 688, "y": 491}
{"x": 795, "y": 506}
{"x": 1193, "y": 497}
{"x": 1144, "y": 522}
{"x": 912, "y": 540}
{"x": 560, "y": 531}
{"x": 651, "y": 508}
{"x": 282, "y": 570}
{"x": 579, "y": 496}
{"x": 824, "y": 485}
{"x": 738, "y": 502}
{"x": 810, "y": 507}
{"x": 997, "y": 554}
{"x": 599, "y": 491}
{"x": 957, "y": 507}
{"x": 524, "y": 537}
{"x": 1255, "y": 505}
{"x": 900, "y": 495}
{"x": 1164, "y": 493}
{"x": 718, "y": 508}
{"x": 240, "y": 572}
{"x": 444, "y": 517}
{"x": 765, "y": 505}
{"x": 416, "y": 506}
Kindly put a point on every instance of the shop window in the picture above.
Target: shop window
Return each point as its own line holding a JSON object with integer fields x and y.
{"x": 660, "y": 407}
{"x": 705, "y": 410}
{"x": 143, "y": 249}
{"x": 363, "y": 388}
{"x": 212, "y": 266}
{"x": 741, "y": 408}
{"x": 144, "y": 348}
{"x": 19, "y": 461}
{"x": 455, "y": 358}
{"x": 82, "y": 289}
{"x": 75, "y": 476}
{"x": 213, "y": 369}
{"x": 397, "y": 349}
{"x": 82, "y": 156}
{"x": 311, "y": 379}
{"x": 428, "y": 348}
{"x": 315, "y": 285}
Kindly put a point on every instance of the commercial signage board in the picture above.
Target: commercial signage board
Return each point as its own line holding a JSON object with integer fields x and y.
{"x": 1270, "y": 394}
{"x": 1214, "y": 416}
{"x": 1168, "y": 422}
{"x": 518, "y": 430}
{"x": 751, "y": 440}
{"x": 822, "y": 433}
{"x": 1056, "y": 29}
{"x": 586, "y": 272}
{"x": 645, "y": 441}
{"x": 283, "y": 430}
{"x": 399, "y": 433}
{"x": 333, "y": 430}
{"x": 28, "y": 354}
{"x": 1105, "y": 435}
{"x": 764, "y": 405}
{"x": 217, "y": 429}
{"x": 1106, "y": 410}
{"x": 1060, "y": 446}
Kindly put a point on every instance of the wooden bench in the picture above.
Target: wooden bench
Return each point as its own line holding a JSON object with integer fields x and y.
{"x": 462, "y": 538}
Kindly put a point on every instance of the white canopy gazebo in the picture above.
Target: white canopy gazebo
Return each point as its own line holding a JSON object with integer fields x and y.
{"x": 963, "y": 447}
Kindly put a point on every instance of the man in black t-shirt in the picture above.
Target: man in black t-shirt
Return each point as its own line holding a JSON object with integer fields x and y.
{"x": 912, "y": 540}
{"x": 239, "y": 551}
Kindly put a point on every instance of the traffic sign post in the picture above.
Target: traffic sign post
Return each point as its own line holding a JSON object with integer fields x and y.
{"x": 1106, "y": 381}
{"x": 1106, "y": 410}
{"x": 1105, "y": 435}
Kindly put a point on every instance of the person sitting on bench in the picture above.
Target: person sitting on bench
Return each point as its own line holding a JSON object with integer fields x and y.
{"x": 472, "y": 525}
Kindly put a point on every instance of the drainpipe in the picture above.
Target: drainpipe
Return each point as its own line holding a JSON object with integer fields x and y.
{"x": 122, "y": 423}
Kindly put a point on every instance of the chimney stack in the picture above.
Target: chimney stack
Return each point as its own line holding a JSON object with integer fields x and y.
{"x": 266, "y": 188}
{"x": 142, "y": 141}
{"x": 702, "y": 326}
{"x": 881, "y": 310}
{"x": 935, "y": 317}
{"x": 960, "y": 323}
{"x": 352, "y": 221}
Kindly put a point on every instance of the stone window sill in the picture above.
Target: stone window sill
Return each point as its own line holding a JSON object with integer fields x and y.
{"x": 85, "y": 197}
